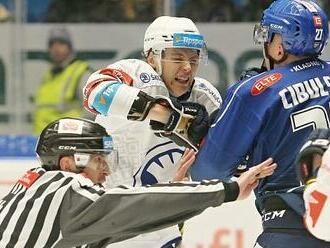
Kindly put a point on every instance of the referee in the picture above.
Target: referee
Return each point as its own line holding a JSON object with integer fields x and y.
{"x": 63, "y": 204}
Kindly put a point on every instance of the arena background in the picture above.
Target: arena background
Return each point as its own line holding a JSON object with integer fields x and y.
{"x": 23, "y": 58}
{"x": 24, "y": 25}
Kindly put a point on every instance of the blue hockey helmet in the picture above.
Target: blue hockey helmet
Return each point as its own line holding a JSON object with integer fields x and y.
{"x": 302, "y": 24}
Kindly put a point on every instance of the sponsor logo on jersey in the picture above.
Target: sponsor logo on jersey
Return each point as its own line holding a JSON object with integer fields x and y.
{"x": 263, "y": 83}
{"x": 209, "y": 91}
{"x": 146, "y": 78}
{"x": 28, "y": 179}
{"x": 102, "y": 100}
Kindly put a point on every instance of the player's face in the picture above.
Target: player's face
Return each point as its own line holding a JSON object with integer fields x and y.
{"x": 59, "y": 52}
{"x": 179, "y": 67}
{"x": 97, "y": 168}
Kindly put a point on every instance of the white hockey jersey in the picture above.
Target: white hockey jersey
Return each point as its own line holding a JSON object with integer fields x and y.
{"x": 143, "y": 157}
{"x": 317, "y": 202}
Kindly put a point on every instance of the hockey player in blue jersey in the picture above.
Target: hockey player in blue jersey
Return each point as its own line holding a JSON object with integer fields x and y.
{"x": 271, "y": 114}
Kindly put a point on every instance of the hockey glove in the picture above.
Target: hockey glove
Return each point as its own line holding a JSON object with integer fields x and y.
{"x": 187, "y": 124}
{"x": 317, "y": 143}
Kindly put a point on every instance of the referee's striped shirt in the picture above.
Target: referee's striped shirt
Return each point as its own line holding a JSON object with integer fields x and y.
{"x": 64, "y": 209}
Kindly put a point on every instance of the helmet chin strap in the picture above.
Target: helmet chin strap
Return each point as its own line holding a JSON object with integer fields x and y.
{"x": 270, "y": 61}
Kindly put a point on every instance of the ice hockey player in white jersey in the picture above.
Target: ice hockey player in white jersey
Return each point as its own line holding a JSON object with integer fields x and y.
{"x": 314, "y": 167}
{"x": 173, "y": 48}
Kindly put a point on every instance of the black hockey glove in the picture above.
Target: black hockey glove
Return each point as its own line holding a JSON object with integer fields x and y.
{"x": 250, "y": 72}
{"x": 187, "y": 124}
{"x": 199, "y": 125}
{"x": 317, "y": 143}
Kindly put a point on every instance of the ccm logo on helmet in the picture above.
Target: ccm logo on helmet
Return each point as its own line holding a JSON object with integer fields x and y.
{"x": 263, "y": 83}
{"x": 67, "y": 147}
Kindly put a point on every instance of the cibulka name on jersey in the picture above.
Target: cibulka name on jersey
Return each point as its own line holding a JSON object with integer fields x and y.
{"x": 303, "y": 91}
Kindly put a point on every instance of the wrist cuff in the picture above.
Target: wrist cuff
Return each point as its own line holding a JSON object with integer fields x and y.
{"x": 231, "y": 191}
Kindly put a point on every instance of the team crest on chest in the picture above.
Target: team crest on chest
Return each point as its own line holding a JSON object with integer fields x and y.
{"x": 160, "y": 164}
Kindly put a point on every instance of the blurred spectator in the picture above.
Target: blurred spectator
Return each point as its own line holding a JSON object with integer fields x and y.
{"x": 60, "y": 92}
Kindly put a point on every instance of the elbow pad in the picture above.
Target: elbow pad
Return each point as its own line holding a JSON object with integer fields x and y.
{"x": 104, "y": 87}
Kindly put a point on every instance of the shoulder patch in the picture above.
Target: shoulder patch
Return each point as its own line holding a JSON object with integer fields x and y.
{"x": 265, "y": 82}
{"x": 29, "y": 178}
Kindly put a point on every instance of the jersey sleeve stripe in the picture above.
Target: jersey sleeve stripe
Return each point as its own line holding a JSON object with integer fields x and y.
{"x": 92, "y": 193}
{"x": 6, "y": 215}
{"x": 19, "y": 219}
{"x": 55, "y": 233}
{"x": 182, "y": 187}
{"x": 43, "y": 211}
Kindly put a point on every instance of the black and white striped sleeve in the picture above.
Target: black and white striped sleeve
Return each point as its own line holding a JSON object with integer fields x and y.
{"x": 90, "y": 215}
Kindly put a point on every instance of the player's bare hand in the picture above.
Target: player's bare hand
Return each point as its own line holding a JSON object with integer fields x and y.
{"x": 185, "y": 163}
{"x": 249, "y": 179}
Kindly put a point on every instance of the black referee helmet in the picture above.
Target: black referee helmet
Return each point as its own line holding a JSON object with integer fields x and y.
{"x": 67, "y": 136}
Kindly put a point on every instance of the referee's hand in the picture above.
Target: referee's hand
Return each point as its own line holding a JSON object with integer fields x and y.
{"x": 249, "y": 179}
{"x": 185, "y": 163}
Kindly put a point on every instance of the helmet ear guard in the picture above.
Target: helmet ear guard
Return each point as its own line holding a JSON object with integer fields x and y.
{"x": 67, "y": 136}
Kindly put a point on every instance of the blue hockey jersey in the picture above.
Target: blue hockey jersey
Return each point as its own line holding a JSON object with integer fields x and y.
{"x": 268, "y": 115}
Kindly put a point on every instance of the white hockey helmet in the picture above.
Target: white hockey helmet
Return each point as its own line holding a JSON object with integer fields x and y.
{"x": 173, "y": 32}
